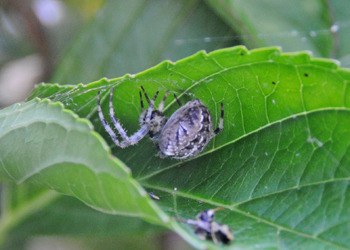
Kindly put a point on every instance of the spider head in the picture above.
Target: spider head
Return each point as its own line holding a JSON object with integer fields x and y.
{"x": 155, "y": 123}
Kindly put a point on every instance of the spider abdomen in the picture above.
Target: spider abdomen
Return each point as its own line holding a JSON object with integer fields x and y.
{"x": 187, "y": 131}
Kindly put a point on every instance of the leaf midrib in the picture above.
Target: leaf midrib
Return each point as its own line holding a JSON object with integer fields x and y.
{"x": 234, "y": 208}
{"x": 294, "y": 116}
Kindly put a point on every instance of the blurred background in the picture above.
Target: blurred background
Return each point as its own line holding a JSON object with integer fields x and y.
{"x": 36, "y": 36}
{"x": 33, "y": 36}
{"x": 73, "y": 41}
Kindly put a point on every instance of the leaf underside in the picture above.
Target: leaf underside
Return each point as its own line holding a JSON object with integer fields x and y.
{"x": 280, "y": 167}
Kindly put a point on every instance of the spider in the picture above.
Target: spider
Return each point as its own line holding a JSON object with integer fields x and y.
{"x": 184, "y": 135}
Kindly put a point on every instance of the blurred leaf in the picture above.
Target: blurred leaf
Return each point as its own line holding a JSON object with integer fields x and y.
{"x": 281, "y": 165}
{"x": 68, "y": 216}
{"x": 341, "y": 13}
{"x": 130, "y": 36}
{"x": 320, "y": 26}
{"x": 86, "y": 7}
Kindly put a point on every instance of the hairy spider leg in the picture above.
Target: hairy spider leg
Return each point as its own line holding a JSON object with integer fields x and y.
{"x": 143, "y": 131}
{"x": 151, "y": 104}
{"x": 115, "y": 120}
{"x": 221, "y": 121}
{"x": 161, "y": 104}
{"x": 127, "y": 141}
{"x": 138, "y": 135}
{"x": 105, "y": 124}
{"x": 144, "y": 92}
{"x": 148, "y": 101}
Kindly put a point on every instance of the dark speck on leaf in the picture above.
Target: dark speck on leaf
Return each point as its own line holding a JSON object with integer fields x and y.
{"x": 306, "y": 74}
{"x": 274, "y": 83}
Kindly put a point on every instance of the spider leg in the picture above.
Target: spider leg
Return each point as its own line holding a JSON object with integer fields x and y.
{"x": 161, "y": 104}
{"x": 147, "y": 98}
{"x": 141, "y": 102}
{"x": 144, "y": 92}
{"x": 115, "y": 121}
{"x": 143, "y": 131}
{"x": 221, "y": 121}
{"x": 151, "y": 104}
{"x": 105, "y": 124}
{"x": 177, "y": 100}
{"x": 136, "y": 137}
{"x": 142, "y": 108}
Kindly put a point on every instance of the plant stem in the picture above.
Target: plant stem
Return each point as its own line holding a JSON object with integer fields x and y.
{"x": 10, "y": 219}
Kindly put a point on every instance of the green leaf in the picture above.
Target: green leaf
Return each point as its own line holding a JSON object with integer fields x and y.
{"x": 121, "y": 39}
{"x": 280, "y": 168}
{"x": 319, "y": 26}
{"x": 46, "y": 137}
{"x": 60, "y": 151}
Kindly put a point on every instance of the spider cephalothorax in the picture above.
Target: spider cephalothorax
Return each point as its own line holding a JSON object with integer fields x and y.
{"x": 184, "y": 135}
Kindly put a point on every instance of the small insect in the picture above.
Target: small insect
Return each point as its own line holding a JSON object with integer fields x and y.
{"x": 208, "y": 229}
{"x": 153, "y": 196}
{"x": 184, "y": 135}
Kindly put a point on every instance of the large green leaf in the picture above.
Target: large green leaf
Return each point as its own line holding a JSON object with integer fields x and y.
{"x": 319, "y": 26}
{"x": 130, "y": 36}
{"x": 280, "y": 167}
{"x": 60, "y": 151}
{"x": 46, "y": 137}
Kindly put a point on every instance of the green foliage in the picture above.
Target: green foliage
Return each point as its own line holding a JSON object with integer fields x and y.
{"x": 280, "y": 168}
{"x": 49, "y": 154}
